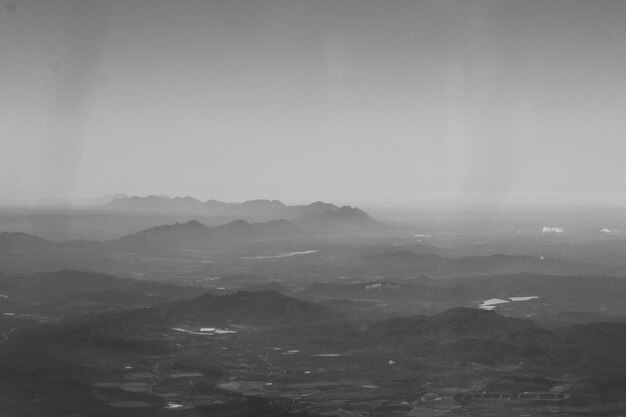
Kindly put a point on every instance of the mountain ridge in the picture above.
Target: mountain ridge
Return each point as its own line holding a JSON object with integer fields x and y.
{"x": 266, "y": 308}
{"x": 211, "y": 207}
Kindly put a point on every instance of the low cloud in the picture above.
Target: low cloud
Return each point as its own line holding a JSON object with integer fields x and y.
{"x": 547, "y": 229}
{"x": 612, "y": 232}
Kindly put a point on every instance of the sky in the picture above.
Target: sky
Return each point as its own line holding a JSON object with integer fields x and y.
{"x": 347, "y": 101}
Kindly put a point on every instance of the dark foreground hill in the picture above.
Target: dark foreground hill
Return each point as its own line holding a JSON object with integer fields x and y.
{"x": 486, "y": 337}
{"x": 389, "y": 291}
{"x": 438, "y": 266}
{"x": 456, "y": 323}
{"x": 554, "y": 298}
{"x": 56, "y": 290}
{"x": 135, "y": 357}
{"x": 15, "y": 242}
{"x": 261, "y": 308}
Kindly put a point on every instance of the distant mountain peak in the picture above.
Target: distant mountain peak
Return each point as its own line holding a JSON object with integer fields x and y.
{"x": 340, "y": 220}
{"x": 237, "y": 223}
{"x": 263, "y": 201}
{"x": 186, "y": 198}
{"x": 152, "y": 197}
{"x": 323, "y": 205}
{"x": 280, "y": 222}
{"x": 193, "y": 224}
{"x": 190, "y": 225}
{"x": 19, "y": 240}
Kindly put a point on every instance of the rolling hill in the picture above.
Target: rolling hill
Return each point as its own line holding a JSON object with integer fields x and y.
{"x": 260, "y": 308}
{"x": 438, "y": 266}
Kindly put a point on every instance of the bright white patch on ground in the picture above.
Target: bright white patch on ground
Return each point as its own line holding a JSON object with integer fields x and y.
{"x": 532, "y": 297}
{"x": 494, "y": 301}
{"x": 205, "y": 332}
{"x": 224, "y": 331}
{"x": 281, "y": 255}
{"x": 612, "y": 232}
{"x": 373, "y": 286}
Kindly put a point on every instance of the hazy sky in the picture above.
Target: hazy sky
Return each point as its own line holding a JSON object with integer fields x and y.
{"x": 339, "y": 100}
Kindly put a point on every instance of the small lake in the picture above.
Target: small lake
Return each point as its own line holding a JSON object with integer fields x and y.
{"x": 206, "y": 331}
{"x": 494, "y": 302}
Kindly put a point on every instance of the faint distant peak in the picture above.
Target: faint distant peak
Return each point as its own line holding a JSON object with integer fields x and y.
{"x": 154, "y": 197}
{"x": 237, "y": 223}
{"x": 263, "y": 202}
{"x": 193, "y": 224}
{"x": 186, "y": 198}
{"x": 320, "y": 205}
{"x": 23, "y": 241}
{"x": 351, "y": 211}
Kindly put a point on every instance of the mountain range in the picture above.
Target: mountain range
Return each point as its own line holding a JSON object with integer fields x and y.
{"x": 324, "y": 220}
{"x": 256, "y": 209}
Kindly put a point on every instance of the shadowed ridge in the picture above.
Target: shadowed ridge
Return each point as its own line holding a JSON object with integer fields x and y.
{"x": 23, "y": 241}
{"x": 458, "y": 322}
{"x": 170, "y": 232}
{"x": 260, "y": 308}
{"x": 341, "y": 220}
{"x": 195, "y": 235}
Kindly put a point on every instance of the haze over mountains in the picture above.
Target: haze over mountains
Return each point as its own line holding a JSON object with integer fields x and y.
{"x": 211, "y": 308}
{"x": 483, "y": 273}
{"x": 316, "y": 219}
{"x": 333, "y": 222}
